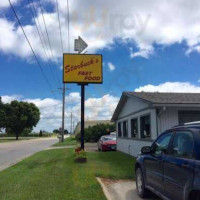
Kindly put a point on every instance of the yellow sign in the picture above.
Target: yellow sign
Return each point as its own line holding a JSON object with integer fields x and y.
{"x": 82, "y": 68}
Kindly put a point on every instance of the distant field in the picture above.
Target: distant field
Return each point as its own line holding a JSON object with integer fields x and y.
{"x": 13, "y": 139}
{"x": 4, "y": 140}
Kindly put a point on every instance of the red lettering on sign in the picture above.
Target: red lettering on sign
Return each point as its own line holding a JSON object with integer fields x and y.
{"x": 82, "y": 73}
{"x": 67, "y": 69}
{"x": 93, "y": 78}
{"x": 83, "y": 64}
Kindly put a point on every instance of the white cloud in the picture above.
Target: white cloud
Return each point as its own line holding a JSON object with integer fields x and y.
{"x": 5, "y": 3}
{"x": 144, "y": 23}
{"x": 51, "y": 109}
{"x": 193, "y": 49}
{"x": 12, "y": 40}
{"x": 101, "y": 108}
{"x": 145, "y": 53}
{"x": 111, "y": 67}
{"x": 73, "y": 97}
{"x": 183, "y": 87}
{"x": 8, "y": 99}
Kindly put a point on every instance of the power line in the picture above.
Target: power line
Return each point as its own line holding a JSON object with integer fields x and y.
{"x": 40, "y": 66}
{"x": 68, "y": 20}
{"x": 49, "y": 60}
{"x": 42, "y": 42}
{"x": 41, "y": 7}
{"x": 59, "y": 26}
{"x": 38, "y": 21}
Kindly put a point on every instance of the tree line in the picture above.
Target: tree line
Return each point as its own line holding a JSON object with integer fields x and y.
{"x": 17, "y": 117}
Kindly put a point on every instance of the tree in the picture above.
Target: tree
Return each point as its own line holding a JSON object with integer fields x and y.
{"x": 2, "y": 115}
{"x": 66, "y": 131}
{"x": 56, "y": 131}
{"x": 21, "y": 116}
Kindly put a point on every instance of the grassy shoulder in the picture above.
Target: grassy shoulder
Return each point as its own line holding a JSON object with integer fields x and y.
{"x": 2, "y": 140}
{"x": 53, "y": 174}
{"x": 5, "y": 140}
{"x": 68, "y": 141}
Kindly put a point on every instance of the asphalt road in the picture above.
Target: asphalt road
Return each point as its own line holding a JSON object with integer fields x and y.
{"x": 13, "y": 152}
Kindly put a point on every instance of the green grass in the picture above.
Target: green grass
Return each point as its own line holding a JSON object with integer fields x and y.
{"x": 68, "y": 141}
{"x": 53, "y": 175}
{"x": 5, "y": 140}
{"x": 13, "y": 139}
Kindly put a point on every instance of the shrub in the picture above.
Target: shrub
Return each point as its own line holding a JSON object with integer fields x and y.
{"x": 80, "y": 154}
{"x": 92, "y": 134}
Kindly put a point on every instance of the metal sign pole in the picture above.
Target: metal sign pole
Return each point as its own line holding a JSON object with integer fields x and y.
{"x": 82, "y": 114}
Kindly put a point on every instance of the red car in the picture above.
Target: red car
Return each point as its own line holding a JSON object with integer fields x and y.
{"x": 107, "y": 143}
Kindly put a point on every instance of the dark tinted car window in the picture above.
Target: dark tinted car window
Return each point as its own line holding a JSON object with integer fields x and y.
{"x": 182, "y": 144}
{"x": 161, "y": 145}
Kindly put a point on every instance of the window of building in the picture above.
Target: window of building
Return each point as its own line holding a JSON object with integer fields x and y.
{"x": 119, "y": 130}
{"x": 125, "y": 129}
{"x": 145, "y": 126}
{"x": 134, "y": 128}
{"x": 182, "y": 145}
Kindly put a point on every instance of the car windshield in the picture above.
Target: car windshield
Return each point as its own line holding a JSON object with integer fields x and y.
{"x": 109, "y": 139}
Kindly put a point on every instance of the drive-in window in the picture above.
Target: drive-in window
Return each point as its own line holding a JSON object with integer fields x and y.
{"x": 134, "y": 128}
{"x": 145, "y": 124}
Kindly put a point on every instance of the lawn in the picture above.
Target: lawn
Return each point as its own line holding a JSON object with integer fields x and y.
{"x": 68, "y": 141}
{"x": 13, "y": 139}
{"x": 53, "y": 175}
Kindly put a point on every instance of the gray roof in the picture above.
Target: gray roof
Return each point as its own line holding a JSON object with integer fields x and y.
{"x": 158, "y": 99}
{"x": 167, "y": 98}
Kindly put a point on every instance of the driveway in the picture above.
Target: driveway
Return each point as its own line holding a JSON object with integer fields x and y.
{"x": 13, "y": 152}
{"x": 91, "y": 147}
{"x": 121, "y": 190}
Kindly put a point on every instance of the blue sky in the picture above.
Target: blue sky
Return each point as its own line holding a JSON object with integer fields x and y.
{"x": 144, "y": 47}
{"x": 169, "y": 64}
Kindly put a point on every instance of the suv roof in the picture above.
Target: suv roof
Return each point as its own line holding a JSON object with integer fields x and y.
{"x": 188, "y": 125}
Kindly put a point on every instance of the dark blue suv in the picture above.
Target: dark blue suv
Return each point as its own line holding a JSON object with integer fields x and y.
{"x": 170, "y": 168}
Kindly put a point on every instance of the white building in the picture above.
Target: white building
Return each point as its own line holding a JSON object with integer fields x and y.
{"x": 140, "y": 117}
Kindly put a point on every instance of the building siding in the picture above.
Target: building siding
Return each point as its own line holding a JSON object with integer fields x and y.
{"x": 132, "y": 105}
{"x": 167, "y": 119}
{"x": 130, "y": 146}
